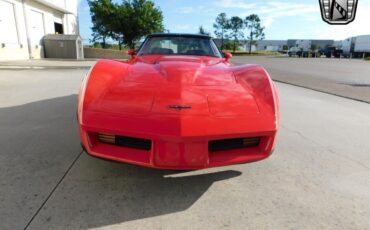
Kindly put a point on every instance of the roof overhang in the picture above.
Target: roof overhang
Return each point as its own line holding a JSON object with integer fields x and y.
{"x": 53, "y": 6}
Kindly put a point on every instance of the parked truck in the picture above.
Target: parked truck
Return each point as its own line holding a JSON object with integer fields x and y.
{"x": 331, "y": 51}
{"x": 362, "y": 46}
{"x": 348, "y": 47}
{"x": 301, "y": 49}
{"x": 356, "y": 47}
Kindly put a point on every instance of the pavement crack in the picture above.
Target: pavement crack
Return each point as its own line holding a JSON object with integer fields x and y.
{"x": 325, "y": 147}
{"x": 54, "y": 189}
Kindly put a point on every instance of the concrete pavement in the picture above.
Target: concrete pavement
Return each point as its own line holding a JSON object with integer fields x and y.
{"x": 38, "y": 138}
{"x": 343, "y": 77}
{"x": 318, "y": 177}
{"x": 46, "y": 63}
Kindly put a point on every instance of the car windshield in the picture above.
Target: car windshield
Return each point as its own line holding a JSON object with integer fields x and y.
{"x": 172, "y": 45}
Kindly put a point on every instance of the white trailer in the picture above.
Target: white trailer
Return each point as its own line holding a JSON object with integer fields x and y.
{"x": 362, "y": 44}
{"x": 348, "y": 46}
{"x": 356, "y": 46}
{"x": 304, "y": 45}
{"x": 302, "y": 48}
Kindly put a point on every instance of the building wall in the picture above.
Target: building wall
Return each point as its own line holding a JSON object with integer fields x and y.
{"x": 264, "y": 45}
{"x": 322, "y": 43}
{"x": 24, "y": 24}
{"x": 271, "y": 45}
{"x": 12, "y": 46}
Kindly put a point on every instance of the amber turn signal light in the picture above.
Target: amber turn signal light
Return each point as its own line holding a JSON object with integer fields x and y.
{"x": 107, "y": 138}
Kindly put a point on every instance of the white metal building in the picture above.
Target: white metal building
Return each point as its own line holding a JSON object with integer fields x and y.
{"x": 23, "y": 24}
{"x": 271, "y": 45}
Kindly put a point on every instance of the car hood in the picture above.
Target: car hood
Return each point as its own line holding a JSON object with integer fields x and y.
{"x": 177, "y": 69}
{"x": 157, "y": 84}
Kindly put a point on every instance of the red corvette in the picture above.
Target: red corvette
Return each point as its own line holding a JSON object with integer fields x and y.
{"x": 178, "y": 104}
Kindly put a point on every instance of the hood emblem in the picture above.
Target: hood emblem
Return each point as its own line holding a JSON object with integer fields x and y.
{"x": 180, "y": 107}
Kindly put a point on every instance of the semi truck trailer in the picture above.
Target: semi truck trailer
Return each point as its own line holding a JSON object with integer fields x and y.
{"x": 357, "y": 47}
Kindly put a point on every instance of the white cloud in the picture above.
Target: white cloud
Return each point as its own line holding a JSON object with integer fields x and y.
{"x": 235, "y": 4}
{"x": 307, "y": 13}
{"x": 267, "y": 22}
{"x": 310, "y": 12}
{"x": 270, "y": 11}
{"x": 195, "y": 9}
{"x": 185, "y": 10}
{"x": 274, "y": 10}
{"x": 183, "y": 27}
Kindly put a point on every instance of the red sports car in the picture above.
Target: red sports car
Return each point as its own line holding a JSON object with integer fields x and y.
{"x": 178, "y": 104}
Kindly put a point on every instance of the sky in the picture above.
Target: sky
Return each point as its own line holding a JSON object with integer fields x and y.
{"x": 286, "y": 19}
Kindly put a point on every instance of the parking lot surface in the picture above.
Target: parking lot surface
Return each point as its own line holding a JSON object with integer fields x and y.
{"x": 343, "y": 77}
{"x": 318, "y": 177}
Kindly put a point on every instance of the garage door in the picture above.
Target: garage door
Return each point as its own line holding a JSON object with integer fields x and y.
{"x": 37, "y": 31}
{"x": 8, "y": 27}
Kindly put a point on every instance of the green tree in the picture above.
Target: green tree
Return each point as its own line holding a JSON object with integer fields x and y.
{"x": 102, "y": 11}
{"x": 236, "y": 30}
{"x": 230, "y": 46}
{"x": 221, "y": 27}
{"x": 135, "y": 19}
{"x": 202, "y": 31}
{"x": 253, "y": 24}
{"x": 125, "y": 22}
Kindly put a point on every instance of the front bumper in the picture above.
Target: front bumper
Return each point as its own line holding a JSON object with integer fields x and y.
{"x": 178, "y": 142}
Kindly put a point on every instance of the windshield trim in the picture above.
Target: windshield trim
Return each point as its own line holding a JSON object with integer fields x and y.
{"x": 215, "y": 49}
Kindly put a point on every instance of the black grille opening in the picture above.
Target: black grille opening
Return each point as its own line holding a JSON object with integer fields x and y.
{"x": 229, "y": 144}
{"x": 129, "y": 142}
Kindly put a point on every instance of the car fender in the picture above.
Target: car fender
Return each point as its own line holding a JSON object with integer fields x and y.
{"x": 256, "y": 79}
{"x": 100, "y": 77}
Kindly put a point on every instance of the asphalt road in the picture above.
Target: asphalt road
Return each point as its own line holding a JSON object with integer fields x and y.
{"x": 344, "y": 77}
{"x": 318, "y": 177}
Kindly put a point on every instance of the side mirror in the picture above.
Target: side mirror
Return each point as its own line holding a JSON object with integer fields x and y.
{"x": 131, "y": 52}
{"x": 227, "y": 56}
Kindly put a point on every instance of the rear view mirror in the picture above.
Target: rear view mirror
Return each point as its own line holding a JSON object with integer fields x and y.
{"x": 131, "y": 52}
{"x": 227, "y": 55}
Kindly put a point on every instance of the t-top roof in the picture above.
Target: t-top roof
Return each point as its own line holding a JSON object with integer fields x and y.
{"x": 178, "y": 35}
